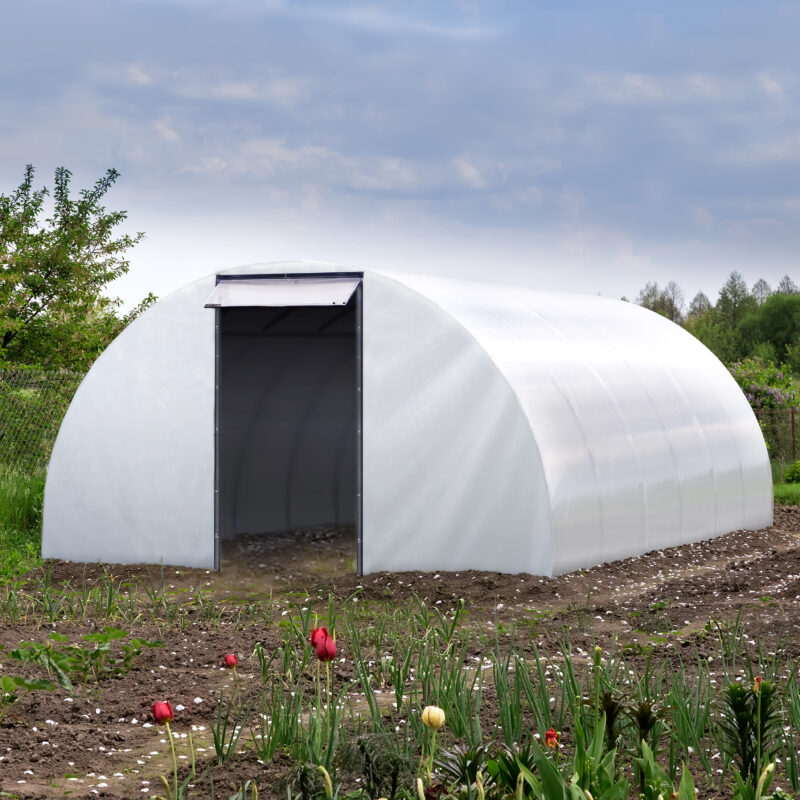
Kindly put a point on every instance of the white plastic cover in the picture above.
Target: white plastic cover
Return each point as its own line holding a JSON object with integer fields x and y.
{"x": 282, "y": 292}
{"x": 503, "y": 429}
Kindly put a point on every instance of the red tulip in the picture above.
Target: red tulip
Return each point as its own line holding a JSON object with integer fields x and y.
{"x": 326, "y": 649}
{"x": 231, "y": 660}
{"x": 551, "y": 738}
{"x": 317, "y": 635}
{"x": 757, "y": 684}
{"x": 162, "y": 712}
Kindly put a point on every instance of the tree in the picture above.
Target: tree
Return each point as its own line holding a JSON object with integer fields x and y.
{"x": 776, "y": 322}
{"x": 734, "y": 299}
{"x": 53, "y": 310}
{"x": 667, "y": 301}
{"x": 787, "y": 286}
{"x": 711, "y": 330}
{"x": 649, "y": 296}
{"x": 761, "y": 291}
{"x": 673, "y": 301}
{"x": 699, "y": 305}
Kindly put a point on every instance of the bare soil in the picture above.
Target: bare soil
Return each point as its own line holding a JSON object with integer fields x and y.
{"x": 102, "y": 743}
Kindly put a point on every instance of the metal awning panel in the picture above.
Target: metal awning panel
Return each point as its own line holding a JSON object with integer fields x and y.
{"x": 282, "y": 292}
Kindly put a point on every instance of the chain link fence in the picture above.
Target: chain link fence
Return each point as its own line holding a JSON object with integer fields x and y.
{"x": 779, "y": 426}
{"x": 32, "y": 405}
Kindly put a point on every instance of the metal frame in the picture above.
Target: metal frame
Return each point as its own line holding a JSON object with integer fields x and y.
{"x": 359, "y": 294}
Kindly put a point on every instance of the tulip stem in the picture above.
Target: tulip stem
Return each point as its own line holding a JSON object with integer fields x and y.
{"x": 328, "y": 677}
{"x": 174, "y": 758}
{"x": 191, "y": 747}
{"x": 430, "y": 757}
{"x": 236, "y": 684}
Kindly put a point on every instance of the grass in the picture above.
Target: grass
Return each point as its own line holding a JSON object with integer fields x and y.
{"x": 21, "y": 497}
{"x": 787, "y": 494}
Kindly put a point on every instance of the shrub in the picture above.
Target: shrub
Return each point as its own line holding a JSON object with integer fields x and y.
{"x": 765, "y": 385}
{"x": 792, "y": 474}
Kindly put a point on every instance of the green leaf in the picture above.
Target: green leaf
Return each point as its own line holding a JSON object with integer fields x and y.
{"x": 686, "y": 789}
{"x": 552, "y": 782}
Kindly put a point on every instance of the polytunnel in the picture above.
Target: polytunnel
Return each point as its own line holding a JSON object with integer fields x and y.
{"x": 455, "y": 425}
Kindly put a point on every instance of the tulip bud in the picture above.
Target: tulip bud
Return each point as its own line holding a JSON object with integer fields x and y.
{"x": 326, "y": 781}
{"x": 433, "y": 717}
{"x": 318, "y": 635}
{"x": 326, "y": 649}
{"x": 162, "y": 712}
{"x": 231, "y": 660}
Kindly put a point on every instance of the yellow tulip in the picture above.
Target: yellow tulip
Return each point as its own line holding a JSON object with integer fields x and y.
{"x": 433, "y": 717}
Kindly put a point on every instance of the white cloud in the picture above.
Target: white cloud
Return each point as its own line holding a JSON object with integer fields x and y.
{"x": 469, "y": 173}
{"x": 166, "y": 131}
{"x": 208, "y": 83}
{"x": 138, "y": 75}
{"x": 770, "y": 85}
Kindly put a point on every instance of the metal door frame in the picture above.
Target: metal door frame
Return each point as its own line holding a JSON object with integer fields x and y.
{"x": 359, "y": 294}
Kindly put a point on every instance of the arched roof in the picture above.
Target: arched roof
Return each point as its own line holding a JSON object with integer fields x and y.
{"x": 504, "y": 428}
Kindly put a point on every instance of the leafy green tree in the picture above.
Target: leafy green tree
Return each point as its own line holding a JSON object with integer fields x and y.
{"x": 712, "y": 330}
{"x": 776, "y": 322}
{"x": 53, "y": 273}
{"x": 734, "y": 300}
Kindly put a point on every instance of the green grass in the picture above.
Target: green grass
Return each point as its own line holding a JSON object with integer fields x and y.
{"x": 787, "y": 494}
{"x": 21, "y": 497}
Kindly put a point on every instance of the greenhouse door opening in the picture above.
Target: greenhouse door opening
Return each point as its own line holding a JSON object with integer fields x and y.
{"x": 288, "y": 435}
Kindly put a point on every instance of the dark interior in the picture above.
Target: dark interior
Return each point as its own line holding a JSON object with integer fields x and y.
{"x": 287, "y": 419}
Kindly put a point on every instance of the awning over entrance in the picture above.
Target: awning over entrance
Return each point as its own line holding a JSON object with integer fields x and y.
{"x": 335, "y": 291}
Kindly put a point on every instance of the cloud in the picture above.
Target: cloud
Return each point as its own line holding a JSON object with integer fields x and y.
{"x": 636, "y": 88}
{"x": 780, "y": 150}
{"x": 207, "y": 83}
{"x": 165, "y": 131}
{"x": 469, "y": 173}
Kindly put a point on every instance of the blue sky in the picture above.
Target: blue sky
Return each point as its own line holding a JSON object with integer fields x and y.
{"x": 581, "y": 146}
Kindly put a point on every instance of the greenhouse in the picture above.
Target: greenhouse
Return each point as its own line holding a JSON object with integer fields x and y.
{"x": 453, "y": 425}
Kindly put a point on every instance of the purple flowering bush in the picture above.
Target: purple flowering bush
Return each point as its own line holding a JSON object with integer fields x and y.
{"x": 765, "y": 385}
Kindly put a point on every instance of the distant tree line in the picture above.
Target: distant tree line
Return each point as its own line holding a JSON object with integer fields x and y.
{"x": 756, "y": 322}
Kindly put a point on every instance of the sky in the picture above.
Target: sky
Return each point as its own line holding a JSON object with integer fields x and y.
{"x": 577, "y": 146}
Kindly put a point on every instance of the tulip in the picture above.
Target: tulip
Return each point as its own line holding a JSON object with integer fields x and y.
{"x": 318, "y": 634}
{"x": 433, "y": 717}
{"x": 757, "y": 684}
{"x": 551, "y": 738}
{"x": 162, "y": 712}
{"x": 231, "y": 660}
{"x": 326, "y": 649}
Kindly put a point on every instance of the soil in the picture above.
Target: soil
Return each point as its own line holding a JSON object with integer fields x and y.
{"x": 102, "y": 742}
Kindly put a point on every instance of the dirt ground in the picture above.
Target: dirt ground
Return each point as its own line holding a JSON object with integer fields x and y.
{"x": 103, "y": 743}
